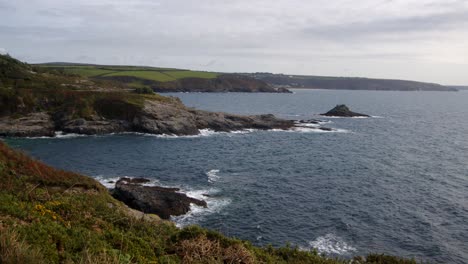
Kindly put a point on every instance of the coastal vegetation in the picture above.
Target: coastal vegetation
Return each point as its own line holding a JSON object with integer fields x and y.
{"x": 53, "y": 216}
{"x": 163, "y": 79}
{"x": 143, "y": 72}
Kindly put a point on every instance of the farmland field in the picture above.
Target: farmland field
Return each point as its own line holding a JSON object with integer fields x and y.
{"x": 145, "y": 73}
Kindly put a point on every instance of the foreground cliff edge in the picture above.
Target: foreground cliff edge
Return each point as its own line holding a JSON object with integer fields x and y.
{"x": 53, "y": 216}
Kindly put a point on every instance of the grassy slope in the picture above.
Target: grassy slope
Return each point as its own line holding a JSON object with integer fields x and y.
{"x": 145, "y": 73}
{"x": 54, "y": 216}
{"x": 25, "y": 89}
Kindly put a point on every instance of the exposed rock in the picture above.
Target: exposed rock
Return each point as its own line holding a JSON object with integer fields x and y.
{"x": 343, "y": 111}
{"x": 230, "y": 122}
{"x": 158, "y": 118}
{"x": 155, "y": 117}
{"x": 309, "y": 121}
{"x": 283, "y": 90}
{"x": 161, "y": 201}
{"x": 89, "y": 127}
{"x": 134, "y": 180}
{"x": 32, "y": 125}
{"x": 165, "y": 118}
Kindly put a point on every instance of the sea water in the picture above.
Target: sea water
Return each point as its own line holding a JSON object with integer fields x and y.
{"x": 395, "y": 183}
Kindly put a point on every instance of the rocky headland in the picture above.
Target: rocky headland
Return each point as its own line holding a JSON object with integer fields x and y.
{"x": 220, "y": 84}
{"x": 152, "y": 116}
{"x": 347, "y": 83}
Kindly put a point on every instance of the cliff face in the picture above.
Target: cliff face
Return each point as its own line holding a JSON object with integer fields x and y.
{"x": 41, "y": 103}
{"x": 102, "y": 113}
{"x": 222, "y": 83}
{"x": 345, "y": 83}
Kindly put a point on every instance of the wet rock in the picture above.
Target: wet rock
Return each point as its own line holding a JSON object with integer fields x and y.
{"x": 134, "y": 180}
{"x": 325, "y": 129}
{"x": 164, "y": 202}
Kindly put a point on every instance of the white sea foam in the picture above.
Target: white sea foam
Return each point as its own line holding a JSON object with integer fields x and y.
{"x": 109, "y": 182}
{"x": 61, "y": 134}
{"x": 203, "y": 133}
{"x": 196, "y": 213}
{"x": 308, "y": 125}
{"x": 214, "y": 202}
{"x": 318, "y": 130}
{"x": 301, "y": 127}
{"x": 352, "y": 117}
{"x": 330, "y": 244}
{"x": 310, "y": 129}
{"x": 213, "y": 176}
{"x": 43, "y": 137}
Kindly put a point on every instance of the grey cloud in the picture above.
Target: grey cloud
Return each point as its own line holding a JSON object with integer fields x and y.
{"x": 295, "y": 36}
{"x": 401, "y": 26}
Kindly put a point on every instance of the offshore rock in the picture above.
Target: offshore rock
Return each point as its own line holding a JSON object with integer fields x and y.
{"x": 164, "y": 202}
{"x": 343, "y": 111}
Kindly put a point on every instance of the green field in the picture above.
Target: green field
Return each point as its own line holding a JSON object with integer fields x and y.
{"x": 148, "y": 75}
{"x": 190, "y": 74}
{"x": 145, "y": 73}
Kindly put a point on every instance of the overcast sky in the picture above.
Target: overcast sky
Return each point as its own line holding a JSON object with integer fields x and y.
{"x": 424, "y": 40}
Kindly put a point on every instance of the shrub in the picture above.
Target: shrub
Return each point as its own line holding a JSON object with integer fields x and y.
{"x": 144, "y": 90}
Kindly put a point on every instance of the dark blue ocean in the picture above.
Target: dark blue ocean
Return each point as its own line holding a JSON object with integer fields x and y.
{"x": 396, "y": 183}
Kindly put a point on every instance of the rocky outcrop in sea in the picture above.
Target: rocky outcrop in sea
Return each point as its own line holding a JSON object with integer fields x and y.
{"x": 343, "y": 111}
{"x": 164, "y": 202}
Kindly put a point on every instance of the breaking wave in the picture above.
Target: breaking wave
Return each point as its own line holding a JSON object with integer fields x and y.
{"x": 330, "y": 244}
{"x": 215, "y": 203}
{"x": 213, "y": 176}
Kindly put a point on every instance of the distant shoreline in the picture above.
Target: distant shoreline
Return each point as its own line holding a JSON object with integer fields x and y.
{"x": 375, "y": 90}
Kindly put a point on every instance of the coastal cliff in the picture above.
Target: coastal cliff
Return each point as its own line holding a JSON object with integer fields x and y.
{"x": 35, "y": 102}
{"x": 165, "y": 79}
{"x": 101, "y": 113}
{"x": 347, "y": 83}
{"x": 222, "y": 83}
